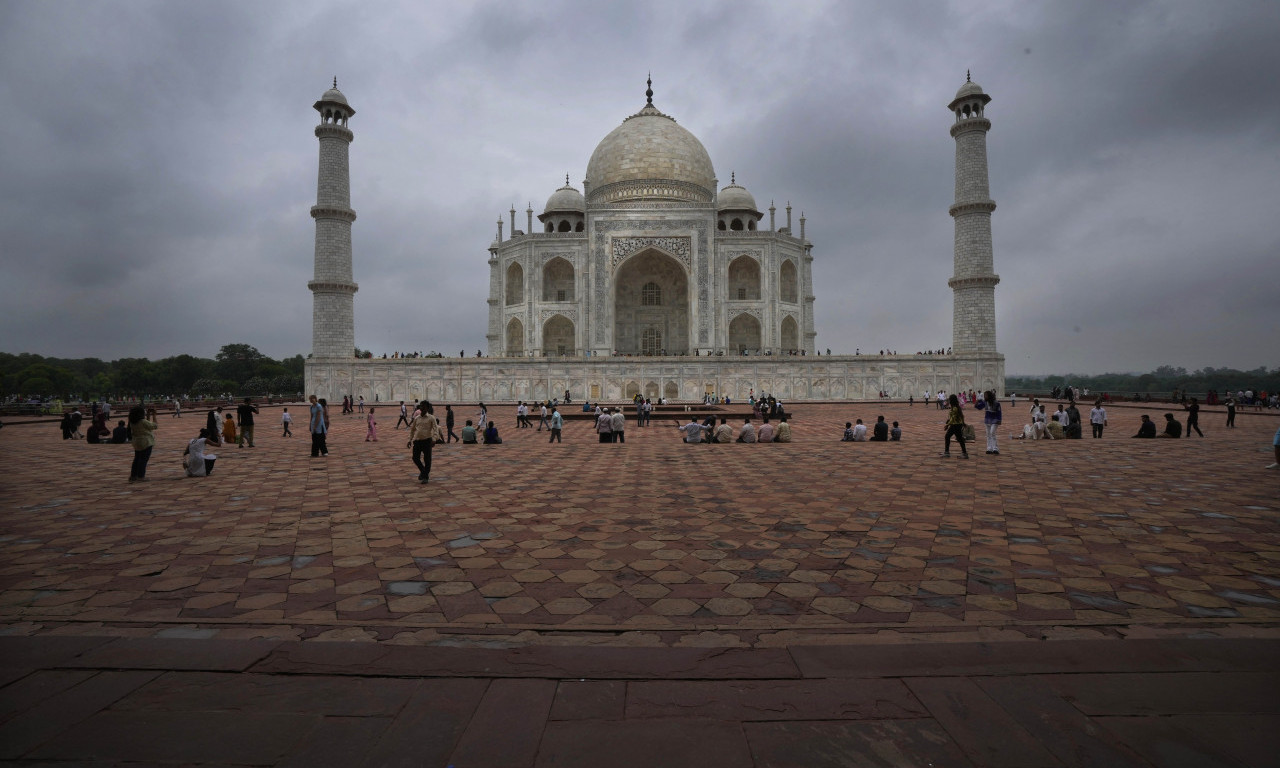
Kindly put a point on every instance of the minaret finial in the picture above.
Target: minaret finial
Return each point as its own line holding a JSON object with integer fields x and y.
{"x": 967, "y": 79}
{"x": 335, "y": 81}
{"x": 566, "y": 179}
{"x": 733, "y": 177}
{"x": 648, "y": 94}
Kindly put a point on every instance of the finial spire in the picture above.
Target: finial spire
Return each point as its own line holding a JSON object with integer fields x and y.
{"x": 967, "y": 79}
{"x": 648, "y": 94}
{"x": 733, "y": 177}
{"x": 335, "y": 81}
{"x": 566, "y": 179}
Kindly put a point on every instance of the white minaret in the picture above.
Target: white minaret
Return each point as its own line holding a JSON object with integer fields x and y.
{"x": 333, "y": 326}
{"x": 973, "y": 323}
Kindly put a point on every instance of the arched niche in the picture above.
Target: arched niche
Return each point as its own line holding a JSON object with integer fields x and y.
{"x": 651, "y": 302}
{"x": 744, "y": 279}
{"x": 744, "y": 333}
{"x": 557, "y": 280}
{"x": 515, "y": 338}
{"x": 515, "y": 284}
{"x": 631, "y": 390}
{"x": 790, "y": 334}
{"x": 788, "y": 282}
{"x": 557, "y": 336}
{"x": 671, "y": 391}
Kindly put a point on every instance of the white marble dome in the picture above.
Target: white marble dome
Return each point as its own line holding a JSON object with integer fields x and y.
{"x": 735, "y": 197}
{"x": 565, "y": 199}
{"x": 650, "y": 146}
{"x": 970, "y": 88}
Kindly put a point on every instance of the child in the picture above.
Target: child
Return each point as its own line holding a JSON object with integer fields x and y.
{"x": 848, "y": 432}
{"x": 373, "y": 425}
{"x": 895, "y": 434}
{"x": 229, "y": 430}
{"x": 286, "y": 420}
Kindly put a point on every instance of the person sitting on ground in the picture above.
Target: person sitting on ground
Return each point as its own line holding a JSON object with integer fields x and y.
{"x": 229, "y": 430}
{"x": 748, "y": 432}
{"x": 469, "y": 433}
{"x": 765, "y": 434}
{"x": 491, "y": 434}
{"x": 692, "y": 431}
{"x": 1054, "y": 429}
{"x": 1148, "y": 427}
{"x": 1039, "y": 423}
{"x": 783, "y": 434}
{"x": 848, "y": 432}
{"x": 1172, "y": 427}
{"x": 120, "y": 434}
{"x": 98, "y": 432}
{"x": 198, "y": 461}
{"x": 880, "y": 430}
{"x": 895, "y": 434}
{"x": 723, "y": 433}
{"x": 859, "y": 432}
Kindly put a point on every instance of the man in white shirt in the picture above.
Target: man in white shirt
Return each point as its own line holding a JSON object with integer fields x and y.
{"x": 1039, "y": 422}
{"x": 1098, "y": 418}
{"x": 859, "y": 432}
{"x": 1061, "y": 416}
{"x": 619, "y": 426}
{"x": 692, "y": 431}
{"x": 748, "y": 432}
{"x": 542, "y": 419}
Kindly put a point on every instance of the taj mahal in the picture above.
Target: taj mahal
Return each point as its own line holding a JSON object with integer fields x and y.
{"x": 652, "y": 280}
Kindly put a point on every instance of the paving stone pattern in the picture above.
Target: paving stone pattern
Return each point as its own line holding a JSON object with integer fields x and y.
{"x": 651, "y": 542}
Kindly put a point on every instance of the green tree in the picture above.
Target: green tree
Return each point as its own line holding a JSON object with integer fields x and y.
{"x": 237, "y": 362}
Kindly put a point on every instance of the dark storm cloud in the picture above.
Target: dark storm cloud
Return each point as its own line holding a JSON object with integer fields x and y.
{"x": 159, "y": 164}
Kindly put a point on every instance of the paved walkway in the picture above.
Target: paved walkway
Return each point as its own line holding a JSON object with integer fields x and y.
{"x": 818, "y": 603}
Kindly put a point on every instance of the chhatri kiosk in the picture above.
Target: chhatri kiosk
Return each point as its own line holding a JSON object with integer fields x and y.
{"x": 652, "y": 280}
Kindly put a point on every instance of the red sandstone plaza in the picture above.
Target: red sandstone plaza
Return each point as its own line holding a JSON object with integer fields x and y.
{"x": 650, "y": 603}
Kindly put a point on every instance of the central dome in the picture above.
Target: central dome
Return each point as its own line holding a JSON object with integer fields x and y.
{"x": 649, "y": 156}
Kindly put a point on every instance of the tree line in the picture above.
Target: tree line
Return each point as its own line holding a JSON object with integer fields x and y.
{"x": 1166, "y": 378}
{"x": 239, "y": 369}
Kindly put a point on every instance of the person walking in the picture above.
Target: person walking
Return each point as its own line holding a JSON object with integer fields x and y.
{"x": 286, "y": 421}
{"x": 557, "y": 424}
{"x": 422, "y": 437}
{"x": 1230, "y": 402}
{"x": 991, "y": 419}
{"x": 448, "y": 423}
{"x": 619, "y": 424}
{"x": 1193, "y": 417}
{"x": 542, "y": 418}
{"x": 245, "y": 411}
{"x": 604, "y": 426}
{"x": 1098, "y": 418}
{"x": 318, "y": 427}
{"x": 955, "y": 427}
{"x": 482, "y": 416}
{"x": 372, "y": 434}
{"x": 144, "y": 440}
{"x": 404, "y": 415}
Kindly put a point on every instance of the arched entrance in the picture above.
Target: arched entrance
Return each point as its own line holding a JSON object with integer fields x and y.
{"x": 790, "y": 334}
{"x": 515, "y": 338}
{"x": 744, "y": 334}
{"x": 651, "y": 306}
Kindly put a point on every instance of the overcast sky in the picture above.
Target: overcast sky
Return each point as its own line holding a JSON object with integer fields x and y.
{"x": 157, "y": 163}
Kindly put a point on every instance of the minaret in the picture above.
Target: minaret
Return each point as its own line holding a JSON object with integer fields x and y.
{"x": 973, "y": 322}
{"x": 333, "y": 327}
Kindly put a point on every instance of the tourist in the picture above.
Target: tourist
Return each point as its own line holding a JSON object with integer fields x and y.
{"x": 199, "y": 462}
{"x": 765, "y": 434}
{"x": 65, "y": 426}
{"x": 213, "y": 423}
{"x": 423, "y": 433}
{"x": 1172, "y": 428}
{"x": 1039, "y": 422}
{"x": 880, "y": 431}
{"x": 604, "y": 425}
{"x": 1098, "y": 418}
{"x": 245, "y": 411}
{"x": 1054, "y": 428}
{"x": 747, "y": 434}
{"x": 372, "y": 434}
{"x": 142, "y": 435}
{"x": 448, "y": 424}
{"x": 361, "y": 406}
{"x": 318, "y": 426}
{"x": 404, "y": 416}
{"x": 77, "y": 419}
{"x": 542, "y": 417}
{"x": 1147, "y": 429}
{"x": 955, "y": 428}
{"x": 723, "y": 433}
{"x": 1193, "y": 417}
{"x": 1230, "y": 402}
{"x": 895, "y": 434}
{"x": 482, "y": 416}
{"x": 491, "y": 434}
{"x": 520, "y": 414}
{"x": 1073, "y": 429}
{"x": 98, "y": 432}
{"x": 177, "y": 409}
{"x": 286, "y": 421}
{"x": 619, "y": 424}
{"x": 1060, "y": 415}
{"x": 991, "y": 419}
{"x": 848, "y": 432}
{"x": 557, "y": 425}
{"x": 468, "y": 433}
{"x": 693, "y": 431}
{"x": 228, "y": 430}
{"x": 783, "y": 434}
{"x": 859, "y": 432}
{"x": 1275, "y": 447}
{"x": 120, "y": 435}
{"x": 942, "y": 400}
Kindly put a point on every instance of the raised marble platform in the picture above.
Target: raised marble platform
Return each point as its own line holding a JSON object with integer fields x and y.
{"x": 821, "y": 377}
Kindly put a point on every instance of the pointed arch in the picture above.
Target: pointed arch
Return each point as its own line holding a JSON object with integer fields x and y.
{"x": 557, "y": 280}
{"x": 631, "y": 390}
{"x": 744, "y": 334}
{"x": 558, "y": 336}
{"x": 515, "y": 338}
{"x": 651, "y": 301}
{"x": 744, "y": 279}
{"x": 515, "y": 284}
{"x": 790, "y": 335}
{"x": 788, "y": 282}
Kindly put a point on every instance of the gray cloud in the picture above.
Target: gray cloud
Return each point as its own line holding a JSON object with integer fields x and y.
{"x": 158, "y": 163}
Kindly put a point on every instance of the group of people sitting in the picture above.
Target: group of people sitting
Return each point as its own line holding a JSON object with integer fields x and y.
{"x": 880, "y": 432}
{"x": 1172, "y": 427}
{"x": 709, "y": 432}
{"x": 1062, "y": 424}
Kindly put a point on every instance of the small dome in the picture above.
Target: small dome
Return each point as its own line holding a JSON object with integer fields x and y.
{"x": 735, "y": 198}
{"x": 566, "y": 199}
{"x": 970, "y": 88}
{"x": 333, "y": 94}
